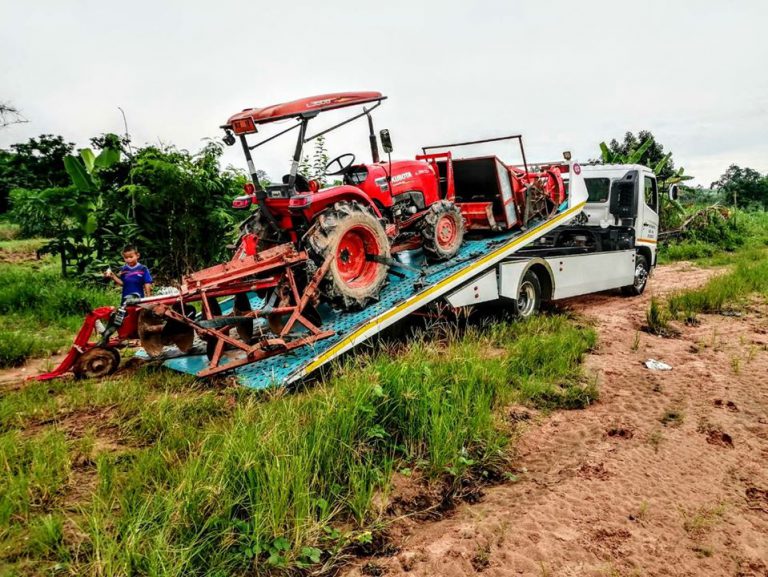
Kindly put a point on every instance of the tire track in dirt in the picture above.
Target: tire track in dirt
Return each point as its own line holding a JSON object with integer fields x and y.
{"x": 611, "y": 490}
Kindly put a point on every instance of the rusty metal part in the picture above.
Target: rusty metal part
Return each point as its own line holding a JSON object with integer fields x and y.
{"x": 244, "y": 327}
{"x": 297, "y": 306}
{"x": 150, "y": 328}
{"x": 96, "y": 362}
{"x": 179, "y": 334}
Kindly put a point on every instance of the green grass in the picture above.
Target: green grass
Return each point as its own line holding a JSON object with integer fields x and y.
{"x": 727, "y": 291}
{"x": 22, "y": 246}
{"x": 39, "y": 311}
{"x": 9, "y": 231}
{"x": 221, "y": 481}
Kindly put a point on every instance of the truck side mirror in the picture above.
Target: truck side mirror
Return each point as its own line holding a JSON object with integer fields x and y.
{"x": 386, "y": 141}
{"x": 674, "y": 191}
{"x": 624, "y": 195}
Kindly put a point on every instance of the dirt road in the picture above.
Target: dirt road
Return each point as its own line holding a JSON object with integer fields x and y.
{"x": 666, "y": 475}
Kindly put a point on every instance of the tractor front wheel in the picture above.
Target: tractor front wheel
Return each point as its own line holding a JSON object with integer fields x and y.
{"x": 442, "y": 231}
{"x": 351, "y": 234}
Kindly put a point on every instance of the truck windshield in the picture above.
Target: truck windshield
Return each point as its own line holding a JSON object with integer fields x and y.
{"x": 597, "y": 189}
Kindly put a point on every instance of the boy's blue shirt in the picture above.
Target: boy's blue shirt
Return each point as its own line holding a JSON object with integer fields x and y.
{"x": 134, "y": 279}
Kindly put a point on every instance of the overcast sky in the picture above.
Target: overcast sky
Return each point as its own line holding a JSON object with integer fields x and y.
{"x": 565, "y": 74}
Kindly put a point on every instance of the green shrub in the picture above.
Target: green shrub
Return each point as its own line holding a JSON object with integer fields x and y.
{"x": 717, "y": 231}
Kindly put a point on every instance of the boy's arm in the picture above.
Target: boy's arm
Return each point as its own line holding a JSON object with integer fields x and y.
{"x": 116, "y": 278}
{"x": 147, "y": 282}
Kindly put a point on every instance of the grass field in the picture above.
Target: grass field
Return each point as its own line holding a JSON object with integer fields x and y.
{"x": 155, "y": 474}
{"x": 39, "y": 311}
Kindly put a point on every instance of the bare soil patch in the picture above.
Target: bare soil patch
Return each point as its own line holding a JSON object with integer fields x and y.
{"x": 610, "y": 490}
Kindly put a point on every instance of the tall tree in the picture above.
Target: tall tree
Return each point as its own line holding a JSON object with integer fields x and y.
{"x": 37, "y": 163}
{"x": 745, "y": 187}
{"x": 644, "y": 149}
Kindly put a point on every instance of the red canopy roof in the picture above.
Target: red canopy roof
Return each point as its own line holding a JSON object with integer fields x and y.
{"x": 310, "y": 104}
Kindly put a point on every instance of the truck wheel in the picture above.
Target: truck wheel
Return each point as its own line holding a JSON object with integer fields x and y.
{"x": 528, "y": 300}
{"x": 641, "y": 277}
{"x": 442, "y": 231}
{"x": 349, "y": 232}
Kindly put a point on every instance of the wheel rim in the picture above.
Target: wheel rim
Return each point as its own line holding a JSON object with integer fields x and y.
{"x": 526, "y": 299}
{"x": 446, "y": 232}
{"x": 641, "y": 276}
{"x": 354, "y": 269}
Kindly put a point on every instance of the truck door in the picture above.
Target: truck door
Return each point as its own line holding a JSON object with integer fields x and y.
{"x": 648, "y": 215}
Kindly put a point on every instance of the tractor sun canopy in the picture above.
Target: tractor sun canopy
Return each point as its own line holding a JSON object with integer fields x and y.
{"x": 245, "y": 122}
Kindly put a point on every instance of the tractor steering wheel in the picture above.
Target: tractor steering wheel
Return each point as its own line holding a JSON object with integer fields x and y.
{"x": 338, "y": 161}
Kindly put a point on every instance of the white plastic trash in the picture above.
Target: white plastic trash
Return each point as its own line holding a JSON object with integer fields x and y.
{"x": 655, "y": 365}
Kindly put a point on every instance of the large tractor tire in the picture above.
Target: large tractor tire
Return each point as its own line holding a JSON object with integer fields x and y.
{"x": 442, "y": 231}
{"x": 349, "y": 232}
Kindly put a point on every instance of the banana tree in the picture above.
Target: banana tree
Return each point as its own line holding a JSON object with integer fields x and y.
{"x": 81, "y": 205}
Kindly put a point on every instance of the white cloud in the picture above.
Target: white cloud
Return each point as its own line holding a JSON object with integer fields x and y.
{"x": 565, "y": 74}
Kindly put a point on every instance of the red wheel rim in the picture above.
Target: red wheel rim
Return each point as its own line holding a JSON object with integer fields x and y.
{"x": 446, "y": 231}
{"x": 354, "y": 269}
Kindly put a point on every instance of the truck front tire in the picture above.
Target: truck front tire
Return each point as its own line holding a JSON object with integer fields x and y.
{"x": 642, "y": 272}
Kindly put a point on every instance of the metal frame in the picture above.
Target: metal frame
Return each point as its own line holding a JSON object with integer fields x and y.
{"x": 518, "y": 137}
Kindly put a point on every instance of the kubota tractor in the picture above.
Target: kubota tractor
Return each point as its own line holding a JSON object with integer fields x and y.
{"x": 381, "y": 207}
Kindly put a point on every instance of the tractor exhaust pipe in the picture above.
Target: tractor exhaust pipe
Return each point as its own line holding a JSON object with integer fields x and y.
{"x": 372, "y": 138}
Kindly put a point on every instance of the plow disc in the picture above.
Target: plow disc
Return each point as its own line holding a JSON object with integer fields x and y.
{"x": 156, "y": 333}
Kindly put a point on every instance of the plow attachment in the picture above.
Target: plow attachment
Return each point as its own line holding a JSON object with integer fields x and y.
{"x": 286, "y": 320}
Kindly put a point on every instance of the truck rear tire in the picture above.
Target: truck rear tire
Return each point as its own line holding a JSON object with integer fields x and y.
{"x": 641, "y": 277}
{"x": 528, "y": 301}
{"x": 349, "y": 232}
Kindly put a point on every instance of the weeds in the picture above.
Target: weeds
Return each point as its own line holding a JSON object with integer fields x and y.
{"x": 222, "y": 482}
{"x": 696, "y": 523}
{"x": 727, "y": 291}
{"x": 655, "y": 439}
{"x": 672, "y": 417}
{"x": 657, "y": 319}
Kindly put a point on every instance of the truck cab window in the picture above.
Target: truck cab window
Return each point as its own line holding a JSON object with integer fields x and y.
{"x": 598, "y": 189}
{"x": 651, "y": 194}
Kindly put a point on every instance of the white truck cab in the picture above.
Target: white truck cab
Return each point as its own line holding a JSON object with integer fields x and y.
{"x": 610, "y": 245}
{"x": 624, "y": 195}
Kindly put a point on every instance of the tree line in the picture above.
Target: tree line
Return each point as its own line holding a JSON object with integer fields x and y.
{"x": 176, "y": 205}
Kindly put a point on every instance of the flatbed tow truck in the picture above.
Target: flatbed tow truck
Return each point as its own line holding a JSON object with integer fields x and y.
{"x": 533, "y": 234}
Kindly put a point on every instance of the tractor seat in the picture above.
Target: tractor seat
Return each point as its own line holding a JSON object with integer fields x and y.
{"x": 301, "y": 183}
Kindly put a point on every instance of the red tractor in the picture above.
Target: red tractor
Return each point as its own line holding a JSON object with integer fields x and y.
{"x": 381, "y": 207}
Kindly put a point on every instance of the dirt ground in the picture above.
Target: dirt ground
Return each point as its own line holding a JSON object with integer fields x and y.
{"x": 666, "y": 475}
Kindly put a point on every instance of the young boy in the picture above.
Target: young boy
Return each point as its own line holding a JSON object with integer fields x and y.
{"x": 133, "y": 276}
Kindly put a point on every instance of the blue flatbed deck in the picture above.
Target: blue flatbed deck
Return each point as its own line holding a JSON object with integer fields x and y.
{"x": 400, "y": 297}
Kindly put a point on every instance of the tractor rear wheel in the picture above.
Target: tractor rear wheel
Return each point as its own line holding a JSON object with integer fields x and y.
{"x": 443, "y": 230}
{"x": 351, "y": 234}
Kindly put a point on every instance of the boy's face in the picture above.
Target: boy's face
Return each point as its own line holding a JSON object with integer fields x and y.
{"x": 131, "y": 257}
